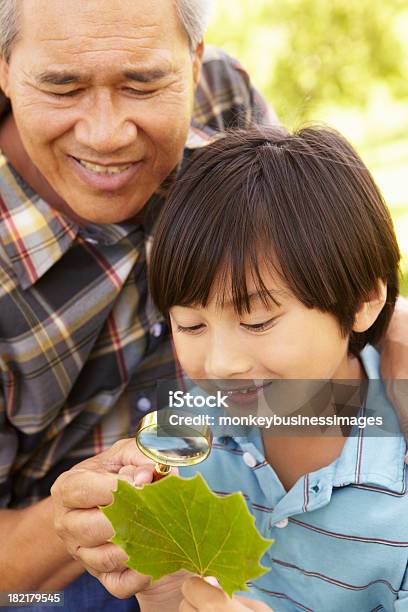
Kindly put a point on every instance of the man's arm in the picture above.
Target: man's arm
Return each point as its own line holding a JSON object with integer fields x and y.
{"x": 32, "y": 556}
{"x": 394, "y": 363}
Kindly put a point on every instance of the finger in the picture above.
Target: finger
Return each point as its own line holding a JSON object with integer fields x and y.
{"x": 105, "y": 558}
{"x": 123, "y": 584}
{"x": 251, "y": 604}
{"x": 196, "y": 590}
{"x": 186, "y": 607}
{"x": 212, "y": 580}
{"x": 137, "y": 475}
{"x": 123, "y": 452}
{"x": 87, "y": 528}
{"x": 85, "y": 489}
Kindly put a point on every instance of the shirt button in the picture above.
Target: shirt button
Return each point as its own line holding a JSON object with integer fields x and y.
{"x": 283, "y": 523}
{"x": 156, "y": 330}
{"x": 144, "y": 404}
{"x": 249, "y": 459}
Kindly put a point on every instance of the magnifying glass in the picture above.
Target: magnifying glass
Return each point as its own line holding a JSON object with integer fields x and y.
{"x": 172, "y": 445}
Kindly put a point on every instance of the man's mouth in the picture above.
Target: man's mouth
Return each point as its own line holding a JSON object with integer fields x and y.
{"x": 107, "y": 177}
{"x": 109, "y": 169}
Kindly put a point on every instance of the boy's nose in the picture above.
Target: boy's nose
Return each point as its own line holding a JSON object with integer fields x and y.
{"x": 225, "y": 360}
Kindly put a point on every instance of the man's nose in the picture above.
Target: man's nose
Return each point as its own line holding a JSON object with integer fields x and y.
{"x": 225, "y": 359}
{"x": 104, "y": 127}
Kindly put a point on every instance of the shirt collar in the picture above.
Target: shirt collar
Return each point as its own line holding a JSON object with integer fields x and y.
{"x": 376, "y": 456}
{"x": 372, "y": 458}
{"x": 35, "y": 236}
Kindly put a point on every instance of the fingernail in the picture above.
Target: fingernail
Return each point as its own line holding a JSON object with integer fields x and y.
{"x": 212, "y": 580}
{"x": 142, "y": 477}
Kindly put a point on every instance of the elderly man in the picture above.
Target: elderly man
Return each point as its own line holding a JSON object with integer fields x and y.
{"x": 108, "y": 99}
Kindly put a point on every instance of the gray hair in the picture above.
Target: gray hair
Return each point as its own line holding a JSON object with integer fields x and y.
{"x": 194, "y": 16}
{"x": 8, "y": 26}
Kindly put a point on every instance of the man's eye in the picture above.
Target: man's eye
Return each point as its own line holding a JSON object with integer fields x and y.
{"x": 139, "y": 92}
{"x": 259, "y": 327}
{"x": 65, "y": 94}
{"x": 193, "y": 329}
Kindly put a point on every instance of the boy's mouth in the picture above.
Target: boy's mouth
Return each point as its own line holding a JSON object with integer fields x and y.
{"x": 240, "y": 394}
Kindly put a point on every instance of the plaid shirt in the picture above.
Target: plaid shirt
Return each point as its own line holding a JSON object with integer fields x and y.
{"x": 81, "y": 345}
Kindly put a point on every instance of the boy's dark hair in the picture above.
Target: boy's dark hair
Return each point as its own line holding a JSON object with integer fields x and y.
{"x": 303, "y": 203}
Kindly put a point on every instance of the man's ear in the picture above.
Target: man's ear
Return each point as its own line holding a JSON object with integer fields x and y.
{"x": 370, "y": 309}
{"x": 197, "y": 62}
{"x": 4, "y": 76}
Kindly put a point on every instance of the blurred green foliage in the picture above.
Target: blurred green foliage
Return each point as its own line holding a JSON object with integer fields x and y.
{"x": 338, "y": 61}
{"x": 306, "y": 53}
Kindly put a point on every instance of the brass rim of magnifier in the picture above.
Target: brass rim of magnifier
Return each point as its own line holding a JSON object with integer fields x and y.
{"x": 149, "y": 421}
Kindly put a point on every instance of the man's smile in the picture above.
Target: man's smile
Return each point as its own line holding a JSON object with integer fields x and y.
{"x": 104, "y": 168}
{"x": 106, "y": 177}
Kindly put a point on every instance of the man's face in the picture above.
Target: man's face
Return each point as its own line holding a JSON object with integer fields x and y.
{"x": 102, "y": 95}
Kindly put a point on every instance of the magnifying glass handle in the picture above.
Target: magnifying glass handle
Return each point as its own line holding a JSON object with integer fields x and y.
{"x": 161, "y": 470}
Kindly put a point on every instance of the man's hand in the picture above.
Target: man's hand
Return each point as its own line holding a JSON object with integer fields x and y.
{"x": 84, "y": 529}
{"x": 200, "y": 596}
{"x": 394, "y": 363}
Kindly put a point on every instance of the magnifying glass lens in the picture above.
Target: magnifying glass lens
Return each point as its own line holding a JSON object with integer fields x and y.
{"x": 172, "y": 446}
{"x": 180, "y": 449}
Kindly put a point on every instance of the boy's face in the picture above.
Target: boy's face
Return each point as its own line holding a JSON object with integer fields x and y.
{"x": 289, "y": 341}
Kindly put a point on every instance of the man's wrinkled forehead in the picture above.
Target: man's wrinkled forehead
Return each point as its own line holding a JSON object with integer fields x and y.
{"x": 99, "y": 25}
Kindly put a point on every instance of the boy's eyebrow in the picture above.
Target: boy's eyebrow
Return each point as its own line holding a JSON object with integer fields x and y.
{"x": 262, "y": 293}
{"x": 65, "y": 77}
{"x": 254, "y": 295}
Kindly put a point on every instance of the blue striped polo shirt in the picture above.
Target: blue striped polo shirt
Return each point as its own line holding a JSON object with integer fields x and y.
{"x": 341, "y": 532}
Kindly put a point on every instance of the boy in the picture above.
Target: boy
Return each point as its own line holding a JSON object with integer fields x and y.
{"x": 275, "y": 259}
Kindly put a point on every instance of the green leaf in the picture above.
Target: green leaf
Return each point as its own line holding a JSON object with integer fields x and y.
{"x": 179, "y": 523}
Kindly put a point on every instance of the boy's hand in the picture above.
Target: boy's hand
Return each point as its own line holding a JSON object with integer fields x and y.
{"x": 200, "y": 596}
{"x": 165, "y": 594}
{"x": 84, "y": 529}
{"x": 394, "y": 363}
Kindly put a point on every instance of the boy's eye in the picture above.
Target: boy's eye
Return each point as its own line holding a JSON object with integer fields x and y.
{"x": 193, "y": 329}
{"x": 259, "y": 327}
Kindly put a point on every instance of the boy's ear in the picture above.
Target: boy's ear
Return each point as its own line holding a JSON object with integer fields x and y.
{"x": 370, "y": 309}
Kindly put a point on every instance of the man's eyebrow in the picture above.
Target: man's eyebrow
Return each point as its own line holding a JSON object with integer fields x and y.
{"x": 148, "y": 75}
{"x": 51, "y": 77}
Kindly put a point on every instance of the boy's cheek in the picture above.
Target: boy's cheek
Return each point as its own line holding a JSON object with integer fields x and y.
{"x": 191, "y": 358}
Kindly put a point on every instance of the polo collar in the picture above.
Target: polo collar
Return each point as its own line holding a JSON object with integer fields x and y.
{"x": 376, "y": 456}
{"x": 371, "y": 460}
